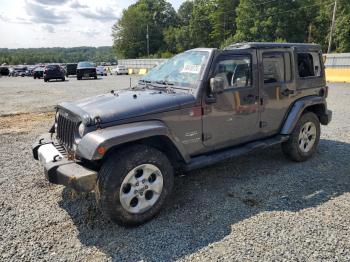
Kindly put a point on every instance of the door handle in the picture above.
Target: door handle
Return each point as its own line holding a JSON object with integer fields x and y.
{"x": 287, "y": 92}
{"x": 250, "y": 99}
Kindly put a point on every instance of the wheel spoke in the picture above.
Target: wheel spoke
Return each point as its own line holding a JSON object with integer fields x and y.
{"x": 157, "y": 186}
{"x": 126, "y": 198}
{"x": 143, "y": 204}
{"x": 132, "y": 181}
{"x": 147, "y": 171}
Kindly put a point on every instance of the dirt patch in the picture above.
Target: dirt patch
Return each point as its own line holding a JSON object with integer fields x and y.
{"x": 23, "y": 123}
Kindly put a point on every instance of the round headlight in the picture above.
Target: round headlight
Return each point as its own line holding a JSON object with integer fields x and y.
{"x": 81, "y": 129}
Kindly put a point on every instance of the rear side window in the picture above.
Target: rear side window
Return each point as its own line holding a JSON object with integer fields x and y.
{"x": 309, "y": 64}
{"x": 274, "y": 68}
{"x": 54, "y": 67}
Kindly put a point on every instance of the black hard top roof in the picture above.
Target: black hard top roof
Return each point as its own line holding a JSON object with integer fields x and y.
{"x": 272, "y": 45}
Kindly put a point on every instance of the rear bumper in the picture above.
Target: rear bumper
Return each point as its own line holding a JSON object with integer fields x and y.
{"x": 86, "y": 73}
{"x": 60, "y": 170}
{"x": 326, "y": 118}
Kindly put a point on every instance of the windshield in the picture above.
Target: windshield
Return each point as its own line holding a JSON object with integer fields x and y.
{"x": 182, "y": 70}
{"x": 85, "y": 64}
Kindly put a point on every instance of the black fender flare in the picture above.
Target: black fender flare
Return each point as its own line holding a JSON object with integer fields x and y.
{"x": 107, "y": 138}
{"x": 299, "y": 107}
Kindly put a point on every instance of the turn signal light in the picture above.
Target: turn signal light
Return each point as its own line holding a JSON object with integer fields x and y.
{"x": 101, "y": 150}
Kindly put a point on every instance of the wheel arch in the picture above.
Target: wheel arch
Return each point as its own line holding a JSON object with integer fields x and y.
{"x": 315, "y": 104}
{"x": 159, "y": 142}
{"x": 152, "y": 133}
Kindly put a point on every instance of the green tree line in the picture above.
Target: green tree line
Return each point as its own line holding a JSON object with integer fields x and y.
{"x": 56, "y": 55}
{"x": 204, "y": 23}
{"x": 218, "y": 23}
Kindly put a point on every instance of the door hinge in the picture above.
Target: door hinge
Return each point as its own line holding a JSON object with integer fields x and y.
{"x": 262, "y": 124}
{"x": 206, "y": 136}
{"x": 261, "y": 101}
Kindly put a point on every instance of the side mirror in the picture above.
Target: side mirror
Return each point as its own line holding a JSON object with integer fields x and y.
{"x": 217, "y": 85}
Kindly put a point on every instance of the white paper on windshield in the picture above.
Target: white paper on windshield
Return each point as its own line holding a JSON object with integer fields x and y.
{"x": 191, "y": 69}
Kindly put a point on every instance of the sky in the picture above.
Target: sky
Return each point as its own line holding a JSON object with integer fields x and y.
{"x": 60, "y": 23}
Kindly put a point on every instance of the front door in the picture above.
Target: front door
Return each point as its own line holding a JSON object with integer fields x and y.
{"x": 232, "y": 117}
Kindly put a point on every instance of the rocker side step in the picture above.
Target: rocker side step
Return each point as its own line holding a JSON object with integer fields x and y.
{"x": 206, "y": 160}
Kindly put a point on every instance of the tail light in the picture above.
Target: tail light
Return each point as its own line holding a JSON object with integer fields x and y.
{"x": 324, "y": 92}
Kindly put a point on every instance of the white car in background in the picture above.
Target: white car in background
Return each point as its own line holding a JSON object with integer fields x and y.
{"x": 120, "y": 70}
{"x": 101, "y": 71}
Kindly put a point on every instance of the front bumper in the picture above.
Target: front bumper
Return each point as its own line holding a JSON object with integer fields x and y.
{"x": 59, "y": 170}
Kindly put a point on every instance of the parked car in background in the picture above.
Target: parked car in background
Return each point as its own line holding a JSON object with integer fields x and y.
{"x": 4, "y": 71}
{"x": 101, "y": 71}
{"x": 53, "y": 72}
{"x": 86, "y": 69}
{"x": 120, "y": 70}
{"x": 12, "y": 72}
{"x": 29, "y": 71}
{"x": 38, "y": 72}
{"x": 71, "y": 69}
{"x": 21, "y": 70}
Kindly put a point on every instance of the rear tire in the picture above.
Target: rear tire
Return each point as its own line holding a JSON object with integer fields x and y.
{"x": 303, "y": 141}
{"x": 133, "y": 184}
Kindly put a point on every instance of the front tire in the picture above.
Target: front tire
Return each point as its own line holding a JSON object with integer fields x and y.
{"x": 303, "y": 141}
{"x": 133, "y": 184}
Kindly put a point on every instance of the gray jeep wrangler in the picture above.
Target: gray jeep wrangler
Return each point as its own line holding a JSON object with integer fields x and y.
{"x": 199, "y": 107}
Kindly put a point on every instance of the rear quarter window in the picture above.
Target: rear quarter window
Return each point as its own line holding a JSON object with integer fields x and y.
{"x": 309, "y": 64}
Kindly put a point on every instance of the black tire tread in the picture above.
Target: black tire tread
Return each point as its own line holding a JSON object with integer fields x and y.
{"x": 108, "y": 183}
{"x": 291, "y": 149}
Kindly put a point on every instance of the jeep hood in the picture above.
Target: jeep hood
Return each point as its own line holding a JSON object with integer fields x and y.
{"x": 126, "y": 104}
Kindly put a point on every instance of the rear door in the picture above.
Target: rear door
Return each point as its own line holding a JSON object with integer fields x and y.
{"x": 278, "y": 88}
{"x": 233, "y": 116}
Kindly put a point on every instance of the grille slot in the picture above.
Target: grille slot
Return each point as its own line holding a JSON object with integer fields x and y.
{"x": 65, "y": 131}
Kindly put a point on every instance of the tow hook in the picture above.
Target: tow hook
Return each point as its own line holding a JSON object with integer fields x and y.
{"x": 57, "y": 158}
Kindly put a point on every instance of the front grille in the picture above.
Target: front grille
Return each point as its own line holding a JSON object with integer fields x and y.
{"x": 61, "y": 149}
{"x": 66, "y": 129}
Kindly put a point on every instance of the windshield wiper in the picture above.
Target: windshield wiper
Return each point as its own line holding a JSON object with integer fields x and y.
{"x": 168, "y": 85}
{"x": 163, "y": 82}
{"x": 146, "y": 83}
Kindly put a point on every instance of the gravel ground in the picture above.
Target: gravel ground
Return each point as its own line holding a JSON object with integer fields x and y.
{"x": 24, "y": 94}
{"x": 256, "y": 207}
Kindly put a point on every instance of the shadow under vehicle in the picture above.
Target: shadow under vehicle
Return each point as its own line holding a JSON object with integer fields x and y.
{"x": 201, "y": 107}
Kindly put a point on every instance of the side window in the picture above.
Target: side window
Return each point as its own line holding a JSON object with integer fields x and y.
{"x": 274, "y": 68}
{"x": 235, "y": 71}
{"x": 309, "y": 64}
